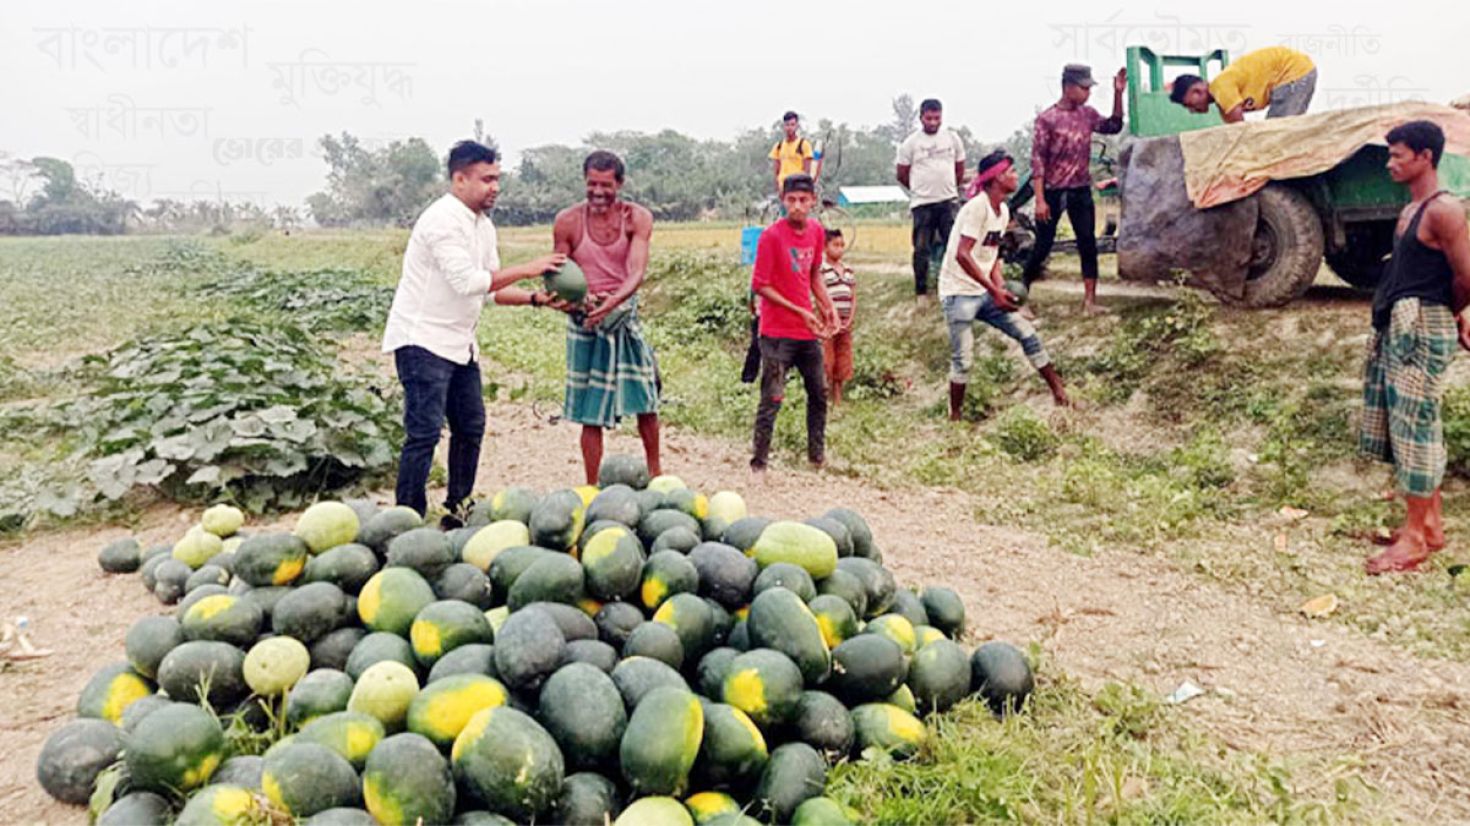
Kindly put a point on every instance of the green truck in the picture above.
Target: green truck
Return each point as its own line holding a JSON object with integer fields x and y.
{"x": 1267, "y": 248}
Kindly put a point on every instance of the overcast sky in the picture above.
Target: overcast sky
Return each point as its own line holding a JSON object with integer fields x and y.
{"x": 191, "y": 99}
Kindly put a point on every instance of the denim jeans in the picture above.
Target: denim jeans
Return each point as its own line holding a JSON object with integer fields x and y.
{"x": 1077, "y": 203}
{"x": 436, "y": 390}
{"x": 779, "y": 355}
{"x": 960, "y": 314}
{"x": 932, "y": 225}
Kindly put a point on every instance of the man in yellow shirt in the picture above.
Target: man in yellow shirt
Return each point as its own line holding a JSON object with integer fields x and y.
{"x": 1277, "y": 79}
{"x": 793, "y": 154}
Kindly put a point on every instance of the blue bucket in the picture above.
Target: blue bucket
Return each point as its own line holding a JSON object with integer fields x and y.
{"x": 750, "y": 238}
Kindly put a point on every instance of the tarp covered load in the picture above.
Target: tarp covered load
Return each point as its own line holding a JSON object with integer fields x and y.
{"x": 1227, "y": 163}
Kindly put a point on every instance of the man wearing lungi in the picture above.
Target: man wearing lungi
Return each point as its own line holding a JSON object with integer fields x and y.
{"x": 611, "y": 371}
{"x": 1416, "y": 324}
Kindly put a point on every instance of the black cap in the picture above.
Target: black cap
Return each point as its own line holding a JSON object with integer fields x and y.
{"x": 1078, "y": 75}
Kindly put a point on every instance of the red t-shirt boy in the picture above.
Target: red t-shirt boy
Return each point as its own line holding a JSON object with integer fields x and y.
{"x": 787, "y": 275}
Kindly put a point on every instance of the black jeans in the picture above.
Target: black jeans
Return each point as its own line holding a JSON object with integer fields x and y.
{"x": 779, "y": 355}
{"x": 932, "y": 224}
{"x": 752, "y": 366}
{"x": 1077, "y": 203}
{"x": 436, "y": 390}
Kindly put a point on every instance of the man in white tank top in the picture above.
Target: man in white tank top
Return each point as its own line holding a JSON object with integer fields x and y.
{"x": 611, "y": 370}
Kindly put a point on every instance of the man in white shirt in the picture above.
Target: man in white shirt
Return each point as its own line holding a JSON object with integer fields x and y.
{"x": 451, "y": 266}
{"x": 931, "y": 166}
{"x": 972, "y": 288}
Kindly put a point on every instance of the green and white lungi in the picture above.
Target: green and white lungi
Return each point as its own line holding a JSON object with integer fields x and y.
{"x": 611, "y": 371}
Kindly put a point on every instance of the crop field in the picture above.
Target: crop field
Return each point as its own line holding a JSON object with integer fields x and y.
{"x": 1178, "y": 558}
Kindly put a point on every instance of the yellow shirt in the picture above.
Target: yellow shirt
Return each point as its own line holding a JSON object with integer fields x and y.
{"x": 1249, "y": 80}
{"x": 792, "y": 155}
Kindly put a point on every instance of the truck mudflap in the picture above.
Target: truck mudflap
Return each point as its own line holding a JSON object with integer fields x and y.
{"x": 1162, "y": 235}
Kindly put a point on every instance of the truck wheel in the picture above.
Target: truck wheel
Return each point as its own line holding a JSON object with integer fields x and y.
{"x": 1363, "y": 260}
{"x": 1286, "y": 252}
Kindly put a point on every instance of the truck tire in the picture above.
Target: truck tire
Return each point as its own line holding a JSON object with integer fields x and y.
{"x": 1362, "y": 261}
{"x": 1286, "y": 252}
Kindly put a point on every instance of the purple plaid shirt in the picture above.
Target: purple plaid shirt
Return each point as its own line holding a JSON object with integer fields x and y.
{"x": 1061, "y": 149}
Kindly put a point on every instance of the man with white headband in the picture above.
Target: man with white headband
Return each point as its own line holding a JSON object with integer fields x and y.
{"x": 971, "y": 287}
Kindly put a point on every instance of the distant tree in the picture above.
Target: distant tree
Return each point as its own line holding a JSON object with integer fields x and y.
{"x": 391, "y": 185}
{"x": 905, "y": 117}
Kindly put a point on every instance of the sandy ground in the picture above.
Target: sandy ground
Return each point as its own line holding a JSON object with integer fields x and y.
{"x": 1277, "y": 684}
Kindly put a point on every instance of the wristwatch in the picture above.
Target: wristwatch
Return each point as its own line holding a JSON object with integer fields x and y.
{"x": 535, "y": 302}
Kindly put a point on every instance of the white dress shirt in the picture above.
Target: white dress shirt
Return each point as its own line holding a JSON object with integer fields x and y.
{"x": 445, "y": 282}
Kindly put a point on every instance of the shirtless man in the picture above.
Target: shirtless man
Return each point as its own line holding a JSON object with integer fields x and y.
{"x": 611, "y": 370}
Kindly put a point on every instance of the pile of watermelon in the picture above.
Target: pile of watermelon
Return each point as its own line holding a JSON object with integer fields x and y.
{"x": 628, "y": 653}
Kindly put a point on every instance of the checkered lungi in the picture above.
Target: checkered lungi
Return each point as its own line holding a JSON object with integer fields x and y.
{"x": 611, "y": 371}
{"x": 1402, "y": 386}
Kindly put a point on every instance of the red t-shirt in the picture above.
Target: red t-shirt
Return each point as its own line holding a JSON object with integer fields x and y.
{"x": 785, "y": 260}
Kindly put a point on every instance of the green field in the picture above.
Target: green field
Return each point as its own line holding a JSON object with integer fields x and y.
{"x": 1197, "y": 426}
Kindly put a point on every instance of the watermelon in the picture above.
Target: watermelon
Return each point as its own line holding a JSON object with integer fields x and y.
{"x": 710, "y": 674}
{"x": 706, "y": 806}
{"x": 613, "y": 564}
{"x": 836, "y": 619}
{"x": 425, "y": 550}
{"x": 925, "y": 634}
{"x": 379, "y": 647}
{"x": 661, "y": 741}
{"x": 907, "y": 604}
{"x": 903, "y": 697}
{"x": 74, "y": 755}
{"x": 655, "y": 811}
{"x": 794, "y": 773}
{"x": 270, "y": 559}
{"x": 857, "y": 530}
{"x": 823, "y": 723}
{"x": 139, "y": 709}
{"x": 889, "y": 728}
{"x": 616, "y": 503}
{"x": 556, "y": 520}
{"x": 222, "y": 520}
{"x": 170, "y": 577}
{"x": 586, "y": 799}
{"x": 466, "y": 583}
{"x": 321, "y": 692}
{"x": 552, "y": 578}
{"x": 621, "y": 469}
{"x": 743, "y": 533}
{"x": 680, "y": 538}
{"x": 385, "y": 690}
{"x": 615, "y": 622}
{"x": 595, "y": 653}
{"x": 223, "y": 618}
{"x": 798, "y": 544}
{"x": 487, "y": 542}
{"x": 691, "y": 618}
{"x": 378, "y": 531}
{"x": 445, "y": 625}
{"x": 196, "y": 547}
{"x": 866, "y": 668}
{"x": 945, "y": 609}
{"x": 210, "y": 574}
{"x": 765, "y": 684}
{"x": 407, "y": 781}
{"x": 136, "y": 809}
{"x": 837, "y": 531}
{"x": 305, "y": 778}
{"x": 122, "y": 556}
{"x": 658, "y": 641}
{"x": 820, "y": 811}
{"x": 665, "y": 483}
{"x": 174, "y": 749}
{"x": 939, "y": 675}
{"x": 474, "y": 658}
{"x": 349, "y": 567}
{"x": 573, "y": 622}
{"x": 195, "y": 665}
{"x": 567, "y": 282}
{"x": 726, "y": 575}
{"x": 149, "y": 640}
{"x": 310, "y": 612}
{"x": 664, "y": 574}
{"x": 242, "y": 770}
{"x": 222, "y": 803}
{"x": 733, "y": 750}
{"x": 513, "y": 503}
{"x": 689, "y": 502}
{"x": 1000, "y": 674}
{"x": 582, "y": 710}
{"x": 111, "y": 690}
{"x": 273, "y": 665}
{"x": 725, "y": 508}
{"x": 654, "y": 523}
{"x": 895, "y": 627}
{"x": 506, "y": 759}
{"x": 392, "y": 598}
{"x": 509, "y": 564}
{"x": 326, "y": 525}
{"x": 441, "y": 710}
{"x": 793, "y": 578}
{"x": 635, "y": 677}
{"x": 877, "y": 582}
{"x": 779, "y": 620}
{"x": 529, "y": 647}
{"x": 350, "y": 734}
